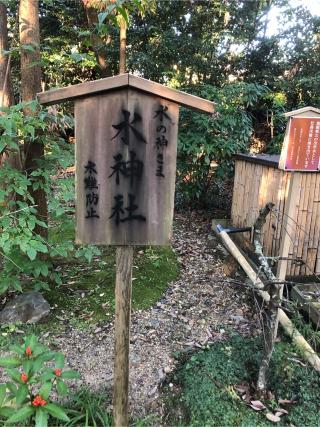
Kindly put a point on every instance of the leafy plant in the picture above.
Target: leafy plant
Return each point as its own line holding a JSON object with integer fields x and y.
{"x": 206, "y": 144}
{"x": 86, "y": 408}
{"x": 35, "y": 373}
{"x": 26, "y": 255}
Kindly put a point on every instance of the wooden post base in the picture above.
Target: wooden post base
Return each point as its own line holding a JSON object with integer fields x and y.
{"x": 122, "y": 335}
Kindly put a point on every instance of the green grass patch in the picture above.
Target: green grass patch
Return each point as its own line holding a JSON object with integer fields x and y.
{"x": 207, "y": 395}
{"x": 85, "y": 408}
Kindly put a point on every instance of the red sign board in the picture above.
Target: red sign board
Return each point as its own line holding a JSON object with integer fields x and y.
{"x": 303, "y": 146}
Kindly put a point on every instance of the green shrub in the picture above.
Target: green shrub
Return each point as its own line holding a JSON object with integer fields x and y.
{"x": 206, "y": 144}
{"x": 24, "y": 253}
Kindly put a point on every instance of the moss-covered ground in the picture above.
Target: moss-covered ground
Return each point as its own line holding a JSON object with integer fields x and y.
{"x": 85, "y": 297}
{"x": 86, "y": 294}
{"x": 87, "y": 291}
{"x": 207, "y": 382}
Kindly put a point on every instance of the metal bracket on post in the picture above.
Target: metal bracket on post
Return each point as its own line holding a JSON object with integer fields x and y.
{"x": 233, "y": 230}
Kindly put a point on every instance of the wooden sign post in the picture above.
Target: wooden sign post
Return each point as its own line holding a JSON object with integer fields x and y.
{"x": 300, "y": 153}
{"x": 124, "y": 259}
{"x": 126, "y": 148}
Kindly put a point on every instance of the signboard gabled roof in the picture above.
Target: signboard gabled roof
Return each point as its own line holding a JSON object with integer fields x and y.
{"x": 86, "y": 89}
{"x": 302, "y": 110}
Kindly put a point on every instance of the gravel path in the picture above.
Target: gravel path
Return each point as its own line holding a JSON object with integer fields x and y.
{"x": 196, "y": 310}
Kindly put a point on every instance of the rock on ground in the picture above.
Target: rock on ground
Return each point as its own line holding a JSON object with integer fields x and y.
{"x": 29, "y": 307}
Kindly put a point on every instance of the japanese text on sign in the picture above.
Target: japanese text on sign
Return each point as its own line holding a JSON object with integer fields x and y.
{"x": 161, "y": 140}
{"x": 91, "y": 189}
{"x": 125, "y": 169}
{"x": 131, "y": 169}
{"x": 303, "y": 152}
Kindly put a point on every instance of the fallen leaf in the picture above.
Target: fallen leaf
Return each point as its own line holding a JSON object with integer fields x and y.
{"x": 297, "y": 361}
{"x": 241, "y": 388}
{"x": 283, "y": 411}
{"x": 272, "y": 417}
{"x": 286, "y": 402}
{"x": 257, "y": 405}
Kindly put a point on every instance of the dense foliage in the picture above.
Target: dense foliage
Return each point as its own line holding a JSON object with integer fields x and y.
{"x": 222, "y": 51}
{"x": 26, "y": 255}
{"x": 206, "y": 144}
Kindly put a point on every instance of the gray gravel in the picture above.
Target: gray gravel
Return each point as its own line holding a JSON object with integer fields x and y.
{"x": 195, "y": 311}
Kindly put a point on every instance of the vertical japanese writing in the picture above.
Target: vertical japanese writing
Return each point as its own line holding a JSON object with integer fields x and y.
{"x": 309, "y": 142}
{"x": 315, "y": 143}
{"x": 91, "y": 190}
{"x": 131, "y": 169}
{"x": 118, "y": 211}
{"x": 315, "y": 153}
{"x": 161, "y": 141}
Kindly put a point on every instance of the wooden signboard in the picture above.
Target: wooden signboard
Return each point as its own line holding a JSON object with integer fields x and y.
{"x": 126, "y": 148}
{"x": 301, "y": 147}
{"x": 126, "y": 145}
{"x": 303, "y": 144}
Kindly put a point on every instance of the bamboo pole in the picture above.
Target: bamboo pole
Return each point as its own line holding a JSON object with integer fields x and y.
{"x": 122, "y": 333}
{"x": 123, "y": 44}
{"x": 253, "y": 276}
{"x": 307, "y": 351}
{"x": 289, "y": 229}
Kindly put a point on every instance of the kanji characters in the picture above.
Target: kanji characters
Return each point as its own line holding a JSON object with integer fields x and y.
{"x": 90, "y": 184}
{"x": 119, "y": 210}
{"x": 161, "y": 141}
{"x": 125, "y": 126}
{"x": 132, "y": 169}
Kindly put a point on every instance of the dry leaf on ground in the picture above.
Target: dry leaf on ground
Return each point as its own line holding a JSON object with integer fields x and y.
{"x": 257, "y": 405}
{"x": 272, "y": 417}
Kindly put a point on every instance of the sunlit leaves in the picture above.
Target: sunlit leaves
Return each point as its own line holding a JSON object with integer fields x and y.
{"x": 20, "y": 245}
{"x": 206, "y": 144}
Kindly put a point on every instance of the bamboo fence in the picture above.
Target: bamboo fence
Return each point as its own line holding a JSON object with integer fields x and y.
{"x": 259, "y": 181}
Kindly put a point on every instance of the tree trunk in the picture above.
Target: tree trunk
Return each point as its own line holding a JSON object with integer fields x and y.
{"x": 123, "y": 44}
{"x": 6, "y": 93}
{"x": 30, "y": 85}
{"x": 271, "y": 310}
{"x": 98, "y": 45}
